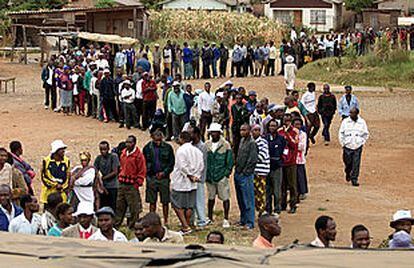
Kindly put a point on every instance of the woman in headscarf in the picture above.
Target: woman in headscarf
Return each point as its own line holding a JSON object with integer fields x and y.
{"x": 83, "y": 181}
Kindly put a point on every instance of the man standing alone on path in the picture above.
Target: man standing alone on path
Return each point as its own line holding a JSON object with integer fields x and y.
{"x": 49, "y": 85}
{"x": 309, "y": 102}
{"x": 219, "y": 167}
{"x": 353, "y": 134}
{"x": 326, "y": 108}
{"x": 243, "y": 178}
{"x": 347, "y": 102}
{"x": 159, "y": 157}
{"x": 131, "y": 177}
{"x": 188, "y": 169}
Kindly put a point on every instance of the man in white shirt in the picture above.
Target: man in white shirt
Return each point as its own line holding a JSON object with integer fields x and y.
{"x": 29, "y": 222}
{"x": 106, "y": 230}
{"x": 325, "y": 228}
{"x": 128, "y": 99}
{"x": 312, "y": 117}
{"x": 272, "y": 59}
{"x": 188, "y": 169}
{"x": 353, "y": 134}
{"x": 101, "y": 62}
{"x": 205, "y": 104}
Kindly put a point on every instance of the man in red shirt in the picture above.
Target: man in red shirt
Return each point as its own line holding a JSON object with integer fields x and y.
{"x": 149, "y": 95}
{"x": 289, "y": 180}
{"x": 131, "y": 177}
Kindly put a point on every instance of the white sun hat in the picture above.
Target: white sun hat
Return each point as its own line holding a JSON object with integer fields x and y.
{"x": 84, "y": 208}
{"x": 401, "y": 215}
{"x": 56, "y": 145}
{"x": 215, "y": 127}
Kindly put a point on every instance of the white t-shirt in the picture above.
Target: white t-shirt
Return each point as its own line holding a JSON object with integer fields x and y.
{"x": 98, "y": 236}
{"x": 128, "y": 95}
{"x": 309, "y": 101}
{"x": 138, "y": 89}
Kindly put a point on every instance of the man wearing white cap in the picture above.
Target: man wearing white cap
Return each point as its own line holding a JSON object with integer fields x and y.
{"x": 55, "y": 173}
{"x": 290, "y": 70}
{"x": 402, "y": 220}
{"x": 128, "y": 98}
{"x": 84, "y": 228}
{"x": 219, "y": 167}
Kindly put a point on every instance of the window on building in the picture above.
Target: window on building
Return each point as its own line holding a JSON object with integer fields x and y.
{"x": 283, "y": 16}
{"x": 318, "y": 17}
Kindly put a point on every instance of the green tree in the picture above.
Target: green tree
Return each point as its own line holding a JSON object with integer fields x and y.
{"x": 358, "y": 5}
{"x": 104, "y": 3}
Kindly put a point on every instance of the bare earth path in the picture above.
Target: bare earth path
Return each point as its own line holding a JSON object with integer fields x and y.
{"x": 387, "y": 175}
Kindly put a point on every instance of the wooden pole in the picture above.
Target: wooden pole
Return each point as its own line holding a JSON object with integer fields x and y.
{"x": 25, "y": 44}
{"x": 134, "y": 17}
{"x": 14, "y": 32}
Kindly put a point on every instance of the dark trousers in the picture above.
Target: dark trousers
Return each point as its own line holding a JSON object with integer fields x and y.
{"x": 130, "y": 197}
{"x": 178, "y": 121}
{"x": 206, "y": 70}
{"x": 271, "y": 67}
{"x": 157, "y": 70}
{"x": 130, "y": 115}
{"x": 148, "y": 114}
{"x": 89, "y": 103}
{"x": 326, "y": 121}
{"x": 239, "y": 71}
{"x": 121, "y": 112}
{"x": 169, "y": 125}
{"x": 129, "y": 68}
{"x": 223, "y": 68}
{"x": 273, "y": 189}
{"x": 205, "y": 121}
{"x": 289, "y": 183}
{"x": 302, "y": 179}
{"x": 139, "y": 103}
{"x": 313, "y": 124}
{"x": 196, "y": 69}
{"x": 110, "y": 108}
{"x": 352, "y": 161}
{"x": 108, "y": 199}
{"x": 50, "y": 94}
{"x": 94, "y": 106}
{"x": 248, "y": 67}
{"x": 236, "y": 138}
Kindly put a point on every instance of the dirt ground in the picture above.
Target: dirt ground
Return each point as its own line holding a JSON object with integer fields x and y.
{"x": 387, "y": 172}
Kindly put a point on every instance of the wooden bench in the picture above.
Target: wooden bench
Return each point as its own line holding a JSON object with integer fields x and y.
{"x": 6, "y": 80}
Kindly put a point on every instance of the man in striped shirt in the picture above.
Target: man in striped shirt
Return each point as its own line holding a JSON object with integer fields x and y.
{"x": 262, "y": 169}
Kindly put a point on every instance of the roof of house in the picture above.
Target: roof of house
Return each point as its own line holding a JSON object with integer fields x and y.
{"x": 128, "y": 2}
{"x": 304, "y": 3}
{"x": 71, "y": 9}
{"x": 227, "y": 2}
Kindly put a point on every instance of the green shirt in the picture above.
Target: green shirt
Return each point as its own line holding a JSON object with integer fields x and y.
{"x": 176, "y": 103}
{"x": 87, "y": 81}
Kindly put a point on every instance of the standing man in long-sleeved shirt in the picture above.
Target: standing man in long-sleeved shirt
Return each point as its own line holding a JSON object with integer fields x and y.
{"x": 243, "y": 178}
{"x": 289, "y": 181}
{"x": 224, "y": 57}
{"x": 353, "y": 134}
{"x": 177, "y": 108}
{"x": 188, "y": 169}
{"x": 262, "y": 169}
{"x": 205, "y": 104}
{"x": 149, "y": 95}
{"x": 347, "y": 102}
{"x": 277, "y": 145}
{"x": 131, "y": 177}
{"x": 196, "y": 61}
{"x": 107, "y": 95}
{"x": 188, "y": 61}
{"x": 326, "y": 108}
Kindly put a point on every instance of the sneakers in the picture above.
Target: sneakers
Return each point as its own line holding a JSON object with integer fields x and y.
{"x": 226, "y": 224}
{"x": 46, "y": 107}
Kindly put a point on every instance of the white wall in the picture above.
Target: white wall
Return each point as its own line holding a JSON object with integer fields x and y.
{"x": 330, "y": 16}
{"x": 195, "y": 4}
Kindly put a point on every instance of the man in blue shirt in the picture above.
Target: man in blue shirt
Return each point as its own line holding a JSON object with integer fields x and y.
{"x": 8, "y": 210}
{"x": 188, "y": 61}
{"x": 130, "y": 56}
{"x": 144, "y": 63}
{"x": 216, "y": 57}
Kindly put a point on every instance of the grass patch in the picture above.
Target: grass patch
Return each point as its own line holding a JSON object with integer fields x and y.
{"x": 394, "y": 69}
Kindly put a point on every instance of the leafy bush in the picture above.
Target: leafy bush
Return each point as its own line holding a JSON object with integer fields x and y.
{"x": 104, "y": 3}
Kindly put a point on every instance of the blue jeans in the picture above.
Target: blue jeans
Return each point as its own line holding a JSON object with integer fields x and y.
{"x": 214, "y": 67}
{"x": 245, "y": 198}
{"x": 200, "y": 204}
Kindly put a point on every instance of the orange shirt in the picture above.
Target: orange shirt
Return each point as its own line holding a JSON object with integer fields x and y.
{"x": 262, "y": 243}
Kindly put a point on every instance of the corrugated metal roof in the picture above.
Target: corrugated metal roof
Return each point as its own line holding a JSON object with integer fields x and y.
{"x": 72, "y": 9}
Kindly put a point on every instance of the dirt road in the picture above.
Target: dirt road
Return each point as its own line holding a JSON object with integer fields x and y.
{"x": 387, "y": 172}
